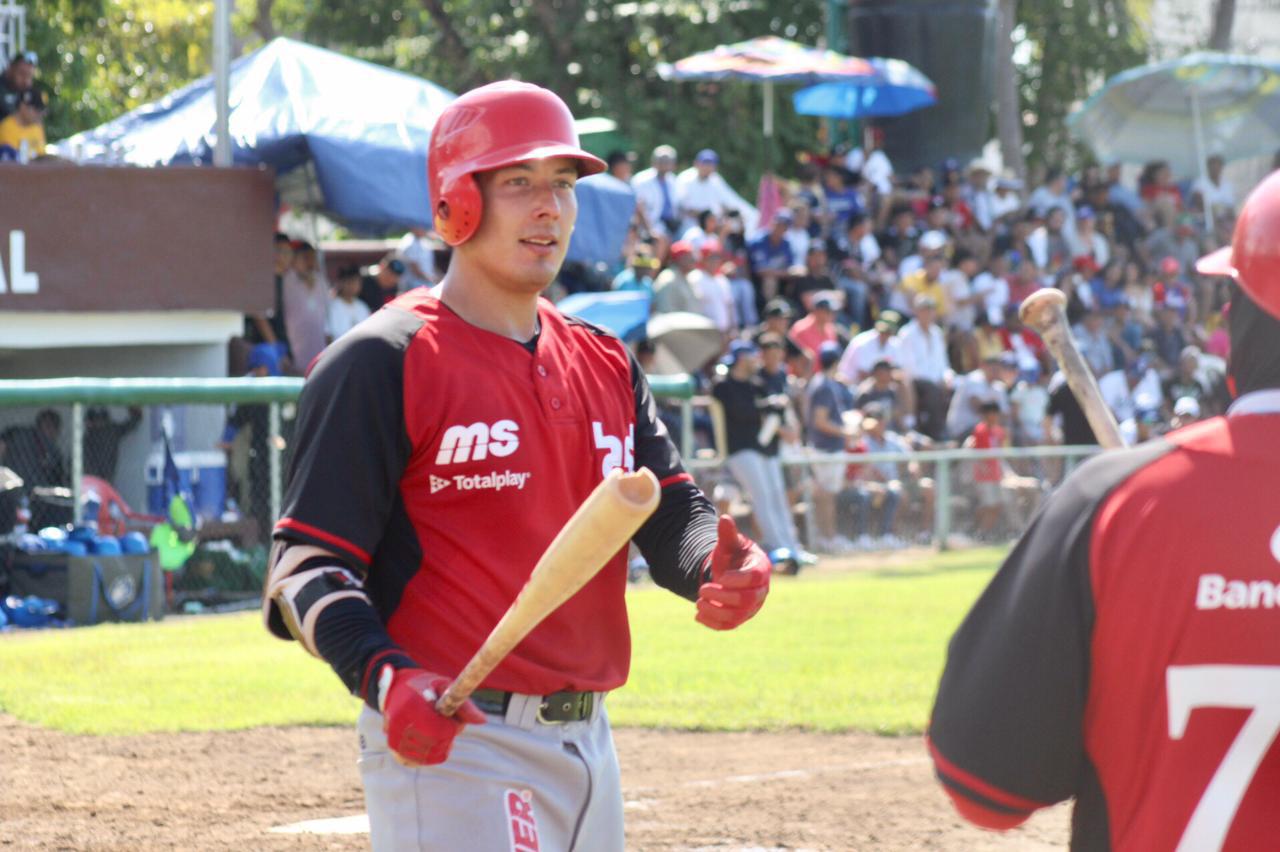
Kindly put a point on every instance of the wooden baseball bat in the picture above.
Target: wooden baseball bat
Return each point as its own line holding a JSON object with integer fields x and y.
{"x": 1045, "y": 312}
{"x": 602, "y": 526}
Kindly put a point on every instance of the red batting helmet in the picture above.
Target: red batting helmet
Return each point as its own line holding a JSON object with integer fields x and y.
{"x": 1253, "y": 258}
{"x": 487, "y": 128}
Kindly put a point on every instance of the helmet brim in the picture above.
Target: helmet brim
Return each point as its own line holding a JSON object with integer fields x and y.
{"x": 588, "y": 164}
{"x": 1219, "y": 262}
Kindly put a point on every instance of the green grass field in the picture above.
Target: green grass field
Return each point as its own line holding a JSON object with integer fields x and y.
{"x": 828, "y": 652}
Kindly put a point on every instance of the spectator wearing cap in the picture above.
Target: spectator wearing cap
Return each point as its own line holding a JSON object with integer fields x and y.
{"x": 880, "y": 486}
{"x": 991, "y": 289}
{"x": 743, "y": 292}
{"x": 672, "y": 289}
{"x": 1185, "y": 412}
{"x": 640, "y": 269}
{"x": 381, "y": 283}
{"x": 922, "y": 348}
{"x": 1121, "y": 389}
{"x": 22, "y": 133}
{"x": 802, "y": 232}
{"x": 754, "y": 422}
{"x": 306, "y": 305}
{"x": 817, "y": 327}
{"x": 657, "y": 195}
{"x": 1168, "y": 339}
{"x": 1172, "y": 291}
{"x": 932, "y": 244}
{"x": 880, "y": 389}
{"x": 770, "y": 255}
{"x": 899, "y": 239}
{"x": 988, "y": 474}
{"x": 1144, "y": 424}
{"x": 828, "y": 430}
{"x": 877, "y": 344}
{"x": 621, "y": 164}
{"x": 702, "y": 187}
{"x": 1053, "y": 193}
{"x": 1029, "y": 406}
{"x": 712, "y": 286}
{"x": 346, "y": 310}
{"x": 102, "y": 437}
{"x": 1192, "y": 380}
{"x": 1085, "y": 241}
{"x": 972, "y": 390}
{"x": 19, "y": 76}
{"x": 1006, "y": 199}
{"x": 978, "y": 196}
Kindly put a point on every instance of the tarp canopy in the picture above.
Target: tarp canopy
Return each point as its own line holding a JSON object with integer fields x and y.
{"x": 345, "y": 137}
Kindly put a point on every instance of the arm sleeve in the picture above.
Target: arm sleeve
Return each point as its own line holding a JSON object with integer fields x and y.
{"x": 681, "y": 533}
{"x": 351, "y": 446}
{"x": 1008, "y": 726}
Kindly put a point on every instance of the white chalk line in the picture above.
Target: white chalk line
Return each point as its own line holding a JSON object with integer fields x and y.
{"x": 359, "y": 823}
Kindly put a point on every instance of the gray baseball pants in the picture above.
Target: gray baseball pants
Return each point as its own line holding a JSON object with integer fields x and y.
{"x": 514, "y": 784}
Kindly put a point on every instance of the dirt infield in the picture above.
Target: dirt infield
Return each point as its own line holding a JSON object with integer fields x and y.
{"x": 684, "y": 791}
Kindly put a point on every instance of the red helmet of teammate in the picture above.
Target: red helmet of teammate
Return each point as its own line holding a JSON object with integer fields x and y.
{"x": 1253, "y": 258}
{"x": 488, "y": 128}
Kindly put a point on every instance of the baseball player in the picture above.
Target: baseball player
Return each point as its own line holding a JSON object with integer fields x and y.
{"x": 442, "y": 444}
{"x": 1127, "y": 653}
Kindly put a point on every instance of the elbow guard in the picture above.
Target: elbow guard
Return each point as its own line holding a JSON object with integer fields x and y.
{"x": 305, "y": 581}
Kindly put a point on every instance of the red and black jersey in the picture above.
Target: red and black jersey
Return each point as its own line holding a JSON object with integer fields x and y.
{"x": 1127, "y": 653}
{"x": 440, "y": 460}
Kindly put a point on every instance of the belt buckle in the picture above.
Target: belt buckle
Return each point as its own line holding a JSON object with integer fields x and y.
{"x": 574, "y": 706}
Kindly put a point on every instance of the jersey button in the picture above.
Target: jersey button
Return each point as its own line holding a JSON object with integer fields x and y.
{"x": 555, "y": 403}
{"x": 542, "y": 371}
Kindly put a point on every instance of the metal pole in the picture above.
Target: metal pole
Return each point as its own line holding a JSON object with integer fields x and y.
{"x": 222, "y": 81}
{"x": 686, "y": 429}
{"x": 1198, "y": 128}
{"x": 273, "y": 453}
{"x": 77, "y": 460}
{"x": 942, "y": 504}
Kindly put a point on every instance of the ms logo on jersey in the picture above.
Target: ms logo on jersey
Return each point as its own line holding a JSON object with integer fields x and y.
{"x": 618, "y": 452}
{"x": 478, "y": 441}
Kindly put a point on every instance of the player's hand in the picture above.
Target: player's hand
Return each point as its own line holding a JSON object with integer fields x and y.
{"x": 739, "y": 580}
{"x": 416, "y": 732}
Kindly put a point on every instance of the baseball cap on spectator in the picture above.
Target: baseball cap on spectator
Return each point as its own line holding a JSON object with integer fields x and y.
{"x": 769, "y": 340}
{"x": 829, "y": 354}
{"x": 978, "y": 165}
{"x": 1139, "y": 367}
{"x": 738, "y": 349}
{"x": 784, "y": 214}
{"x": 778, "y": 308}
{"x": 1008, "y": 183}
{"x": 664, "y": 152}
{"x": 824, "y": 303}
{"x": 888, "y": 321}
{"x": 396, "y": 266}
{"x": 1186, "y": 406}
{"x": 1086, "y": 264}
{"x": 302, "y": 245}
{"x": 27, "y": 56}
{"x": 681, "y": 248}
{"x": 706, "y": 155}
{"x": 1007, "y": 359}
{"x": 711, "y": 246}
{"x": 1170, "y": 265}
{"x": 924, "y": 300}
{"x": 933, "y": 240}
{"x": 1084, "y": 211}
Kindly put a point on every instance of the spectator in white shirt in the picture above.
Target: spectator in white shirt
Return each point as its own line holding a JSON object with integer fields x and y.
{"x": 923, "y": 351}
{"x": 657, "y": 195}
{"x": 345, "y": 309}
{"x": 991, "y": 286}
{"x": 1123, "y": 389}
{"x": 978, "y": 195}
{"x": 972, "y": 390}
{"x": 1094, "y": 342}
{"x": 701, "y": 187}
{"x": 870, "y": 161}
{"x": 419, "y": 256}
{"x": 712, "y": 287}
{"x": 1086, "y": 241}
{"x": 1006, "y": 201}
{"x": 870, "y": 347}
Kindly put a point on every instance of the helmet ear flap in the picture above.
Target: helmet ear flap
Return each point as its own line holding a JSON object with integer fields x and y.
{"x": 457, "y": 213}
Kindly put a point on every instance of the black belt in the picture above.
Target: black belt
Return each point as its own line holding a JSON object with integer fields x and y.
{"x": 557, "y": 707}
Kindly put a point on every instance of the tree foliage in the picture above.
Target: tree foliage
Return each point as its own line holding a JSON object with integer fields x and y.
{"x": 1064, "y": 50}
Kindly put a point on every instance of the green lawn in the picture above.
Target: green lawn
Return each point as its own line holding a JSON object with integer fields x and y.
{"x": 828, "y": 652}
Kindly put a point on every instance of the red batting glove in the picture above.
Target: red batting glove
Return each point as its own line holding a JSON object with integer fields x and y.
{"x": 739, "y": 579}
{"x": 416, "y": 732}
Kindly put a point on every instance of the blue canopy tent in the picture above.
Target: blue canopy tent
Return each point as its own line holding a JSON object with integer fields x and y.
{"x": 346, "y": 137}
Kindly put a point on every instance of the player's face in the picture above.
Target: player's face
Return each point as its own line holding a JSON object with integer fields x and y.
{"x": 529, "y": 213}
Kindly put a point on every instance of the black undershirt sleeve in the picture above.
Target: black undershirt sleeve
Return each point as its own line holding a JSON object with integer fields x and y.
{"x": 680, "y": 535}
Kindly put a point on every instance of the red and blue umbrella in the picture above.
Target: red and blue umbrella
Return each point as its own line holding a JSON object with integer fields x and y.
{"x": 893, "y": 87}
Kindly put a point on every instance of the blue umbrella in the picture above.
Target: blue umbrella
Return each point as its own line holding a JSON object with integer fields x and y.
{"x": 896, "y": 88}
{"x": 624, "y": 312}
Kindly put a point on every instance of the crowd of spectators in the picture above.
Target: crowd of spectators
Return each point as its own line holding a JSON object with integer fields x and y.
{"x": 22, "y": 105}
{"x": 882, "y": 309}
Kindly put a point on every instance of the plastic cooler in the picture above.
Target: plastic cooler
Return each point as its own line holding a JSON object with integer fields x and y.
{"x": 202, "y": 474}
